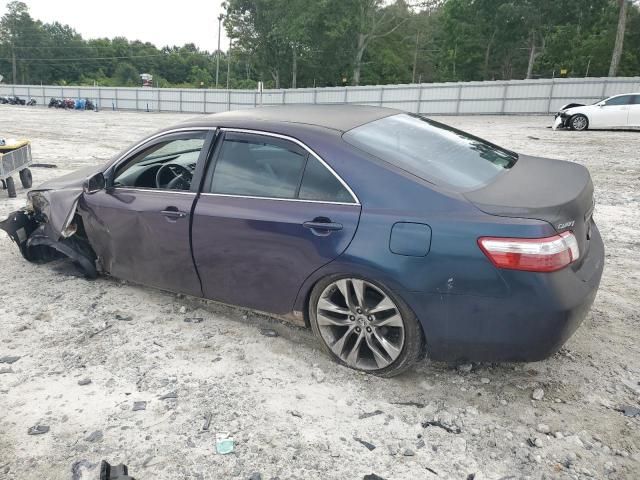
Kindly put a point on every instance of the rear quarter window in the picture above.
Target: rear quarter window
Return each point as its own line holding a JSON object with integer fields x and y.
{"x": 435, "y": 152}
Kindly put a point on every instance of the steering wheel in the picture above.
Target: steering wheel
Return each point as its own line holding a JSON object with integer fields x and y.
{"x": 181, "y": 177}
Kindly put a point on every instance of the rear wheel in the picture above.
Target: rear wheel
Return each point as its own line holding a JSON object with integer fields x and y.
{"x": 25, "y": 178}
{"x": 364, "y": 326}
{"x": 579, "y": 122}
{"x": 11, "y": 187}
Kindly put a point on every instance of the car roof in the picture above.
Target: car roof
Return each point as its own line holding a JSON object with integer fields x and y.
{"x": 336, "y": 117}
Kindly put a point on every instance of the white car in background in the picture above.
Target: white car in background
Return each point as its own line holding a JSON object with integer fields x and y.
{"x": 619, "y": 111}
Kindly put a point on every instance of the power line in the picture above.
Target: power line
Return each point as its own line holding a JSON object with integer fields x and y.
{"x": 83, "y": 59}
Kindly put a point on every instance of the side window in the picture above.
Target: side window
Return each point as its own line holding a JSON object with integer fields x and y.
{"x": 318, "y": 183}
{"x": 252, "y": 165}
{"x": 621, "y": 100}
{"x": 167, "y": 164}
{"x": 636, "y": 100}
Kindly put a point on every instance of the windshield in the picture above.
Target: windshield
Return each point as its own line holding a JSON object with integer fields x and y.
{"x": 432, "y": 151}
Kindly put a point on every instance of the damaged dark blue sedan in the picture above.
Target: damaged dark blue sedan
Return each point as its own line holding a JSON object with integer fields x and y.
{"x": 389, "y": 234}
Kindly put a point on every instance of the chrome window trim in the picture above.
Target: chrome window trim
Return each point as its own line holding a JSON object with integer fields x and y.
{"x": 124, "y": 156}
{"x": 356, "y": 201}
{"x": 278, "y": 199}
{"x": 153, "y": 190}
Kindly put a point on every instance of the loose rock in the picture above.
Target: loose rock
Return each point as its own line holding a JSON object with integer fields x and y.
{"x": 139, "y": 406}
{"x": 37, "y": 430}
{"x": 538, "y": 394}
{"x": 9, "y": 359}
{"x": 84, "y": 381}
{"x": 95, "y": 436}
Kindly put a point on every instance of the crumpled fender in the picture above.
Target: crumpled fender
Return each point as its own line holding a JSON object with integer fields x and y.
{"x": 41, "y": 243}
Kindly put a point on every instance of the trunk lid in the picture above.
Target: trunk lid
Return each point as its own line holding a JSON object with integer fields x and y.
{"x": 555, "y": 191}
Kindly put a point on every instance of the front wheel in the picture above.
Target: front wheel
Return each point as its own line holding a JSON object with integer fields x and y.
{"x": 579, "y": 122}
{"x": 364, "y": 326}
{"x": 11, "y": 187}
{"x": 26, "y": 178}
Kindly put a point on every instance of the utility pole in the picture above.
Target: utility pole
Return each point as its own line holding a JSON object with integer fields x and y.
{"x": 220, "y": 17}
{"x": 228, "y": 63}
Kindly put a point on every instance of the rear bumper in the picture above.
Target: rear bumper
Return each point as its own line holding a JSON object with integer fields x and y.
{"x": 539, "y": 315}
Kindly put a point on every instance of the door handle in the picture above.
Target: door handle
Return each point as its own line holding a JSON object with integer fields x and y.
{"x": 322, "y": 227}
{"x": 173, "y": 212}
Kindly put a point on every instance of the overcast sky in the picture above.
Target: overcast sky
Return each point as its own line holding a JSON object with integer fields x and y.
{"x": 159, "y": 22}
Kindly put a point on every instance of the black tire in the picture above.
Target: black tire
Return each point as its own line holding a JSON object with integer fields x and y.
{"x": 412, "y": 349}
{"x": 26, "y": 178}
{"x": 579, "y": 122}
{"x": 3, "y": 185}
{"x": 11, "y": 187}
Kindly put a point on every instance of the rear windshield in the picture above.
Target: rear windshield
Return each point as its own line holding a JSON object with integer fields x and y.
{"x": 432, "y": 151}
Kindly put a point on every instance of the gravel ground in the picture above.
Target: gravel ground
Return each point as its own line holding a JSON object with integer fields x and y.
{"x": 292, "y": 412}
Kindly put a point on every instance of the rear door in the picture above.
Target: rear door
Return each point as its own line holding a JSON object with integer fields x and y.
{"x": 139, "y": 227}
{"x": 634, "y": 112}
{"x": 269, "y": 215}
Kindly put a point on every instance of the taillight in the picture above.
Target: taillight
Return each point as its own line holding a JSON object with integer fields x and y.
{"x": 531, "y": 254}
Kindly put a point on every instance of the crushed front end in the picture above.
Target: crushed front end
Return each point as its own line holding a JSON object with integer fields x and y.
{"x": 49, "y": 228}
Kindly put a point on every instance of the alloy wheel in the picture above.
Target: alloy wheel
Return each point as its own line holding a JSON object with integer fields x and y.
{"x": 579, "y": 122}
{"x": 360, "y": 324}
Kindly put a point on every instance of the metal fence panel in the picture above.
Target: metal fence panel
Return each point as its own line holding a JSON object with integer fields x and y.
{"x": 540, "y": 96}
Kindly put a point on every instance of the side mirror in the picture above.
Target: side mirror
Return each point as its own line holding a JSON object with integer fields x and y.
{"x": 94, "y": 184}
{"x": 600, "y": 104}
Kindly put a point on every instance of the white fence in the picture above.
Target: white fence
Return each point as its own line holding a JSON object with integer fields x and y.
{"x": 461, "y": 98}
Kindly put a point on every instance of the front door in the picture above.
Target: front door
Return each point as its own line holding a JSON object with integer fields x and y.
{"x": 614, "y": 113}
{"x": 139, "y": 226}
{"x": 270, "y": 214}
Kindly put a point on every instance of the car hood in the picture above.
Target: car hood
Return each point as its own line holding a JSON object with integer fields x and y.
{"x": 71, "y": 180}
{"x": 56, "y": 200}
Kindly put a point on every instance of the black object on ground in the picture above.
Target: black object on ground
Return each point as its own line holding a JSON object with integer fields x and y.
{"x": 37, "y": 430}
{"x": 370, "y": 414}
{"x": 439, "y": 424}
{"x": 114, "y": 472}
{"x": 370, "y": 446}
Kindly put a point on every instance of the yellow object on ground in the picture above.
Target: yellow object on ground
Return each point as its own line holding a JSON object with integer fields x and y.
{"x": 13, "y": 144}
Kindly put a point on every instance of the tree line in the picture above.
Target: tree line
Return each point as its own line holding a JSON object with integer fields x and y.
{"x": 297, "y": 43}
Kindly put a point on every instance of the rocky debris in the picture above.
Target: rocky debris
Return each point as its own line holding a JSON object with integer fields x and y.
{"x": 407, "y": 452}
{"x": 269, "y": 332}
{"x": 207, "y": 422}
{"x": 362, "y": 416}
{"x": 37, "y": 430}
{"x": 255, "y": 476}
{"x": 409, "y": 404}
{"x": 537, "y": 394}
{"x": 194, "y": 320}
{"x": 78, "y": 468}
{"x": 318, "y": 375}
{"x": 629, "y": 411}
{"x": 295, "y": 413}
{"x": 542, "y": 428}
{"x": 370, "y": 446}
{"x": 183, "y": 310}
{"x": 9, "y": 359}
{"x": 437, "y": 423}
{"x": 485, "y": 380}
{"x": 6, "y": 370}
{"x": 123, "y": 318}
{"x": 168, "y": 396}
{"x": 139, "y": 406}
{"x": 372, "y": 476}
{"x": 431, "y": 470}
{"x": 95, "y": 436}
{"x": 84, "y": 381}
{"x": 465, "y": 367}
